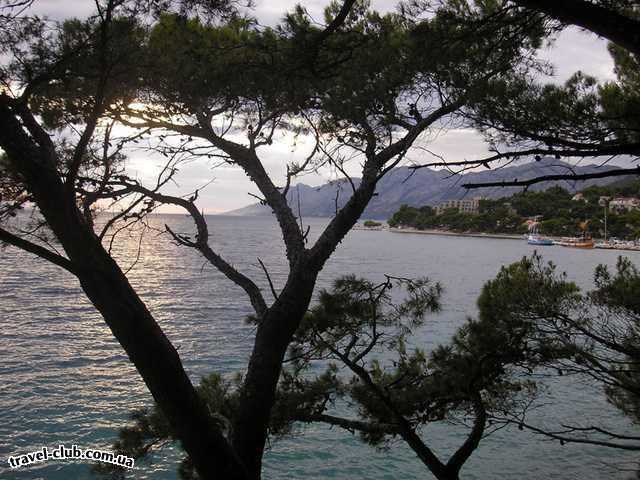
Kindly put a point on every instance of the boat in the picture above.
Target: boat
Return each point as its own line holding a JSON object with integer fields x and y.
{"x": 538, "y": 240}
{"x": 583, "y": 241}
{"x": 534, "y": 238}
{"x": 576, "y": 242}
{"x": 614, "y": 244}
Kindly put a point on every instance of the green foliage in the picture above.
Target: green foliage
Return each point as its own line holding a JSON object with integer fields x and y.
{"x": 582, "y": 115}
{"x": 597, "y": 334}
{"x": 560, "y": 215}
{"x": 405, "y": 215}
{"x": 77, "y": 68}
{"x": 491, "y": 218}
{"x": 194, "y": 65}
{"x": 299, "y": 397}
{"x": 621, "y": 290}
{"x": 381, "y": 74}
{"x": 149, "y": 430}
{"x": 620, "y": 100}
{"x": 546, "y": 203}
{"x": 372, "y": 224}
{"x": 620, "y": 294}
{"x": 524, "y": 289}
{"x": 356, "y": 304}
{"x": 198, "y": 57}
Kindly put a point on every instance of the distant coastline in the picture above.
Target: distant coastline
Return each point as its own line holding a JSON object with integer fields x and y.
{"x": 495, "y": 236}
{"x": 499, "y": 236}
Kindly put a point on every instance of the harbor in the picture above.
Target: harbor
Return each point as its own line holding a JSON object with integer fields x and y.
{"x": 532, "y": 239}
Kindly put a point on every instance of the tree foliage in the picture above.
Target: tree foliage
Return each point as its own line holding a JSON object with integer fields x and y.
{"x": 593, "y": 335}
{"x": 523, "y": 117}
{"x": 354, "y": 352}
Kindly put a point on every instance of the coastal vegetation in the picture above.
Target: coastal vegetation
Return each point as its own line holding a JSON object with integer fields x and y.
{"x": 555, "y": 209}
{"x": 523, "y": 117}
{"x": 372, "y": 224}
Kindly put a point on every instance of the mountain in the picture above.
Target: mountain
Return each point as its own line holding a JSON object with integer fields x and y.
{"x": 424, "y": 187}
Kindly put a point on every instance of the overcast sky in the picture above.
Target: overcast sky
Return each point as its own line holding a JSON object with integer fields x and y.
{"x": 574, "y": 50}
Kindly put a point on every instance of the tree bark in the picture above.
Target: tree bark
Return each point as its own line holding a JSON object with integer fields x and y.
{"x": 159, "y": 365}
{"x": 277, "y": 327}
{"x": 456, "y": 462}
{"x": 606, "y": 22}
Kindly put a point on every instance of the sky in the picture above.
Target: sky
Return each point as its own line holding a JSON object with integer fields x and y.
{"x": 230, "y": 189}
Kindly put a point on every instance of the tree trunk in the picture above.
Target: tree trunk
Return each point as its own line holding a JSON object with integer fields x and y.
{"x": 450, "y": 470}
{"x": 126, "y": 315}
{"x": 159, "y": 365}
{"x": 435, "y": 466}
{"x": 250, "y": 429}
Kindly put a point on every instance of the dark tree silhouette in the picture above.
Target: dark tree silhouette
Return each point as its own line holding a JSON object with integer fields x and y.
{"x": 196, "y": 79}
{"x": 593, "y": 335}
{"x": 609, "y": 19}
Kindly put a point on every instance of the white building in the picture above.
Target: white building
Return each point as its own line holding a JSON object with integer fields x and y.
{"x": 624, "y": 204}
{"x": 465, "y": 205}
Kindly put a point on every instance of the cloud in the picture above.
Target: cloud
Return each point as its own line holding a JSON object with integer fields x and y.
{"x": 575, "y": 50}
{"x": 59, "y": 9}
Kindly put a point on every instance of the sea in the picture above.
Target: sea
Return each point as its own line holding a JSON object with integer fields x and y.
{"x": 65, "y": 380}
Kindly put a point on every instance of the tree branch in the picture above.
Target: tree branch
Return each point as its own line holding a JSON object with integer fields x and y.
{"x": 202, "y": 244}
{"x": 563, "y": 438}
{"x": 548, "y": 178}
{"x": 253, "y": 167}
{"x": 405, "y": 430}
{"x": 350, "y": 425}
{"x": 41, "y": 252}
{"x": 271, "y": 286}
{"x": 337, "y": 22}
{"x": 602, "y": 21}
{"x": 463, "y": 453}
{"x": 588, "y": 151}
{"x": 351, "y": 211}
{"x": 99, "y": 101}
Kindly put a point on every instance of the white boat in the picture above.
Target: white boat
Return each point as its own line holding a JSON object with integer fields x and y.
{"x": 538, "y": 240}
{"x": 534, "y": 238}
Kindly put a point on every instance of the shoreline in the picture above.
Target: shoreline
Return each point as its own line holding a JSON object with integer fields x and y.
{"x": 495, "y": 236}
{"x": 498, "y": 236}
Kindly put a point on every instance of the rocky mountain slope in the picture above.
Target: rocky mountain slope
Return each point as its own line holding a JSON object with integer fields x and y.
{"x": 424, "y": 187}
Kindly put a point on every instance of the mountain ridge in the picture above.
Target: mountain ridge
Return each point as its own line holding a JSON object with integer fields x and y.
{"x": 424, "y": 187}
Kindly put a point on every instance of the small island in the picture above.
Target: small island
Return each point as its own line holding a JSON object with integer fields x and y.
{"x": 372, "y": 224}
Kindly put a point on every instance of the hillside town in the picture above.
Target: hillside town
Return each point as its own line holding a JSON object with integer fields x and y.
{"x": 610, "y": 214}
